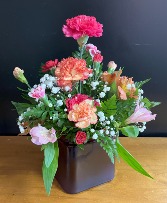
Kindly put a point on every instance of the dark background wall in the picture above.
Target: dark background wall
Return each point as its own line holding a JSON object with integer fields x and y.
{"x": 135, "y": 37}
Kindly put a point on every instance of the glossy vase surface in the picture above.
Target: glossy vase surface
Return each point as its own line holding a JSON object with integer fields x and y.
{"x": 79, "y": 170}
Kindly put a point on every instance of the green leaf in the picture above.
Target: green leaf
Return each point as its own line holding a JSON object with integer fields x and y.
{"x": 49, "y": 153}
{"x": 130, "y": 160}
{"x": 109, "y": 146}
{"x": 150, "y": 104}
{"x": 109, "y": 107}
{"x": 141, "y": 83}
{"x": 20, "y": 107}
{"x": 44, "y": 115}
{"x": 49, "y": 173}
{"x": 130, "y": 131}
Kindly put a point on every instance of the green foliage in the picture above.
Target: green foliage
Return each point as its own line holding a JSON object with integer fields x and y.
{"x": 20, "y": 107}
{"x": 49, "y": 153}
{"x": 150, "y": 104}
{"x": 49, "y": 172}
{"x": 108, "y": 107}
{"x": 125, "y": 109}
{"x": 141, "y": 83}
{"x": 130, "y": 160}
{"x": 130, "y": 131}
{"x": 109, "y": 146}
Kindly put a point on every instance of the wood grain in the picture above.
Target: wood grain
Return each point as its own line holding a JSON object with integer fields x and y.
{"x": 21, "y": 180}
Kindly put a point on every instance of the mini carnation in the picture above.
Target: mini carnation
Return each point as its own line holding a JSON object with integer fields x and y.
{"x": 37, "y": 93}
{"x": 49, "y": 65}
{"x": 98, "y": 58}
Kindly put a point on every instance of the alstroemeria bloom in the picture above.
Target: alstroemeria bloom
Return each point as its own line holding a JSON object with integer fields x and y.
{"x": 37, "y": 93}
{"x": 82, "y": 25}
{"x": 140, "y": 114}
{"x": 40, "y": 135}
{"x": 111, "y": 77}
{"x": 92, "y": 49}
{"x": 70, "y": 70}
{"x": 126, "y": 88}
{"x": 83, "y": 114}
{"x": 49, "y": 65}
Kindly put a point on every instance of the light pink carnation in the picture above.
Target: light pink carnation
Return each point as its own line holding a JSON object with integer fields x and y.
{"x": 140, "y": 114}
{"x": 82, "y": 25}
{"x": 40, "y": 135}
{"x": 37, "y": 93}
{"x": 92, "y": 49}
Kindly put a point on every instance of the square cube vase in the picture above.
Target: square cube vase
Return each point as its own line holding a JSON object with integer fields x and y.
{"x": 79, "y": 170}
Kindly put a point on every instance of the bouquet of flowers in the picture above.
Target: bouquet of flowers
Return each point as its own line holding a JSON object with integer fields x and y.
{"x": 76, "y": 100}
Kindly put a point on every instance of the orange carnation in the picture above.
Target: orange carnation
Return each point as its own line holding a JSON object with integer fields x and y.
{"x": 70, "y": 70}
{"x": 83, "y": 114}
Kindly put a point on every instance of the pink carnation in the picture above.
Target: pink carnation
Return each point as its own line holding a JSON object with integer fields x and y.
{"x": 140, "y": 114}
{"x": 37, "y": 93}
{"x": 49, "y": 65}
{"x": 98, "y": 58}
{"x": 40, "y": 135}
{"x": 82, "y": 25}
{"x": 92, "y": 49}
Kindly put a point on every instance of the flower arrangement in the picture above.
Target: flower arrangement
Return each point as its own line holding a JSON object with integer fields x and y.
{"x": 78, "y": 101}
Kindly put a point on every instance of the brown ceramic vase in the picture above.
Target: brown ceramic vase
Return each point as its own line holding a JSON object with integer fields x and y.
{"x": 79, "y": 170}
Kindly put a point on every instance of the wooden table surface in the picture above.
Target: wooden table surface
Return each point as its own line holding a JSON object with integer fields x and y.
{"x": 21, "y": 180}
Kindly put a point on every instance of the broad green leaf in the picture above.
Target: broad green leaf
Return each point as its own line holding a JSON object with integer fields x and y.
{"x": 150, "y": 104}
{"x": 49, "y": 173}
{"x": 129, "y": 159}
{"x": 64, "y": 129}
{"x": 130, "y": 131}
{"x": 49, "y": 153}
{"x": 21, "y": 107}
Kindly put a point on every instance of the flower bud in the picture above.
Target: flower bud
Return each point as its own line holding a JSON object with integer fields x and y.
{"x": 111, "y": 67}
{"x": 19, "y": 75}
